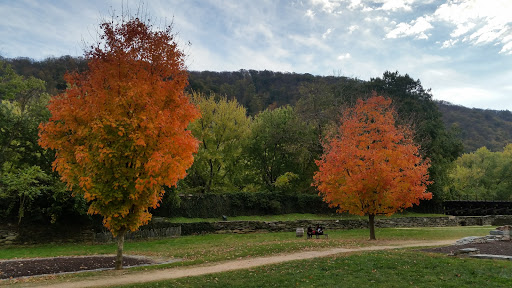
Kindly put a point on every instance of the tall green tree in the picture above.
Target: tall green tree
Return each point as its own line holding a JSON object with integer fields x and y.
{"x": 280, "y": 145}
{"x": 482, "y": 175}
{"x": 222, "y": 129}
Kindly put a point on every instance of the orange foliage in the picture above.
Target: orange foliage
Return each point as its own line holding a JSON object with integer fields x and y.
{"x": 119, "y": 130}
{"x": 372, "y": 166}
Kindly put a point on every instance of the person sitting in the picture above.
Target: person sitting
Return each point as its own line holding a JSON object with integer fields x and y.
{"x": 319, "y": 231}
{"x": 310, "y": 232}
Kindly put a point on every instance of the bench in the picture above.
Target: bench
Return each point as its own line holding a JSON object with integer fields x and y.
{"x": 326, "y": 236}
{"x": 311, "y": 233}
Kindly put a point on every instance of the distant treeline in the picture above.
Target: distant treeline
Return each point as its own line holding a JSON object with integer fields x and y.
{"x": 479, "y": 127}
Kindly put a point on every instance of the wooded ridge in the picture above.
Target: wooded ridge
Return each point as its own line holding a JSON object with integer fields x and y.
{"x": 257, "y": 90}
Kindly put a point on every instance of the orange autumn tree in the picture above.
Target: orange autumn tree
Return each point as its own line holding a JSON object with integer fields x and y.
{"x": 119, "y": 130}
{"x": 371, "y": 166}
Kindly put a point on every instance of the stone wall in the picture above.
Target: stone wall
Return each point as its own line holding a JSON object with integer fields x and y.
{"x": 167, "y": 232}
{"x": 241, "y": 227}
{"x": 7, "y": 237}
{"x": 163, "y": 229}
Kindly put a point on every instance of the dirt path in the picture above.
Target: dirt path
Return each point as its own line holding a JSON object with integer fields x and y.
{"x": 173, "y": 273}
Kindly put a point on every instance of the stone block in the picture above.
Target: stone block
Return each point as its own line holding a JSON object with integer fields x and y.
{"x": 467, "y": 251}
{"x": 492, "y": 257}
{"x": 496, "y": 232}
{"x": 468, "y": 240}
{"x": 10, "y": 238}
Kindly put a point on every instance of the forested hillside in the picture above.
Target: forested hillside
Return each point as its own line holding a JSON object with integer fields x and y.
{"x": 478, "y": 127}
{"x": 258, "y": 90}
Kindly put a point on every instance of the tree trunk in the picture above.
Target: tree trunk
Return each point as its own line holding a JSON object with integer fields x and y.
{"x": 21, "y": 210}
{"x": 372, "y": 226}
{"x": 120, "y": 247}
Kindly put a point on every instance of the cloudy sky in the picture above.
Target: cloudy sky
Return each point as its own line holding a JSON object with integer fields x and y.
{"x": 462, "y": 49}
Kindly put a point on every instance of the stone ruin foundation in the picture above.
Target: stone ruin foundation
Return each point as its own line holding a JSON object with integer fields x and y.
{"x": 501, "y": 233}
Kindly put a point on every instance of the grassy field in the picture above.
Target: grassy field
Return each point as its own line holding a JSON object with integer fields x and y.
{"x": 209, "y": 248}
{"x": 400, "y": 268}
{"x": 219, "y": 247}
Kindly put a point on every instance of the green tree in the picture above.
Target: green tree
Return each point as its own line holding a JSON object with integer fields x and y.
{"x": 222, "y": 129}
{"x": 22, "y": 185}
{"x": 482, "y": 175}
{"x": 27, "y": 182}
{"x": 19, "y": 88}
{"x": 280, "y": 143}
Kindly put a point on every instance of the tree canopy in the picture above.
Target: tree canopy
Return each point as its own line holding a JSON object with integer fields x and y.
{"x": 119, "y": 130}
{"x": 372, "y": 166}
{"x": 222, "y": 130}
{"x": 482, "y": 175}
{"x": 280, "y": 145}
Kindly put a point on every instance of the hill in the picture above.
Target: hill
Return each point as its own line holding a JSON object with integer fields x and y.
{"x": 257, "y": 90}
{"x": 478, "y": 127}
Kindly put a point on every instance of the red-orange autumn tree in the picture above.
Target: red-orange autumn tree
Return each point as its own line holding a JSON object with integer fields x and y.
{"x": 371, "y": 166}
{"x": 119, "y": 130}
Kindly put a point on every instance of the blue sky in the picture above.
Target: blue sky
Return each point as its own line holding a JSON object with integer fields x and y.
{"x": 460, "y": 49}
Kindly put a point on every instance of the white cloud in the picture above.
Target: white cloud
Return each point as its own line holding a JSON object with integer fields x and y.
{"x": 479, "y": 21}
{"x": 507, "y": 47}
{"x": 344, "y": 56}
{"x": 329, "y": 31}
{"x": 310, "y": 13}
{"x": 462, "y": 29}
{"x": 376, "y": 19}
{"x": 354, "y": 4}
{"x": 328, "y": 6}
{"x": 394, "y": 5}
{"x": 352, "y": 28}
{"x": 358, "y": 5}
{"x": 416, "y": 28}
{"x": 449, "y": 43}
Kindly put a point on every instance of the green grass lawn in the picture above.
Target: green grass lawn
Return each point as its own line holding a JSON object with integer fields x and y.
{"x": 400, "y": 268}
{"x": 209, "y": 248}
{"x": 219, "y": 247}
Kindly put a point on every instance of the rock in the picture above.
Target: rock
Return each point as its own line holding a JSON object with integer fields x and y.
{"x": 468, "y": 240}
{"x": 10, "y": 238}
{"x": 493, "y": 257}
{"x": 467, "y": 251}
{"x": 504, "y": 228}
{"x": 496, "y": 232}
